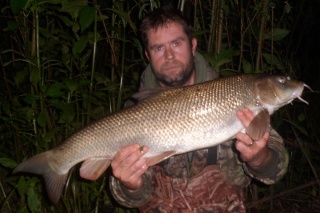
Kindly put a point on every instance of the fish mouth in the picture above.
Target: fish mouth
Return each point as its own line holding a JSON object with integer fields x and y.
{"x": 297, "y": 94}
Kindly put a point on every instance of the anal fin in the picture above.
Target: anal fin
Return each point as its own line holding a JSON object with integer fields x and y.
{"x": 91, "y": 169}
{"x": 158, "y": 158}
{"x": 259, "y": 125}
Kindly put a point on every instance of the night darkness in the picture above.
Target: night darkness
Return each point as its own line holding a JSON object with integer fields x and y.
{"x": 307, "y": 35}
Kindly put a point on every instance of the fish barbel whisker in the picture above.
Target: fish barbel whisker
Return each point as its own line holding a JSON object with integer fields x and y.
{"x": 301, "y": 99}
{"x": 305, "y": 85}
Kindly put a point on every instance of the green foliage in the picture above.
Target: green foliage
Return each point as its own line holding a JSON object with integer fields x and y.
{"x": 17, "y": 5}
{"x": 62, "y": 71}
{"x": 66, "y": 63}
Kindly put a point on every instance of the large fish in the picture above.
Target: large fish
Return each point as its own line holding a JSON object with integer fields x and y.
{"x": 170, "y": 122}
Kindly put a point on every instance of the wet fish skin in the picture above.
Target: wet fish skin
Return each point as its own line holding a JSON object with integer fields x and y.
{"x": 171, "y": 122}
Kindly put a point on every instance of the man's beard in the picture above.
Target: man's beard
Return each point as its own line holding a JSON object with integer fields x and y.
{"x": 178, "y": 80}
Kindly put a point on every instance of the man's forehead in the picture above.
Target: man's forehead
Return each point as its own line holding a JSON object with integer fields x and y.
{"x": 166, "y": 33}
{"x": 165, "y": 26}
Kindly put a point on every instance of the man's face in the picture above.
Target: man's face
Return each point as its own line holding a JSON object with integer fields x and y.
{"x": 171, "y": 55}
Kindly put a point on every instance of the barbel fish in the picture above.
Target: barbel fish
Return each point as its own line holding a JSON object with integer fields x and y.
{"x": 170, "y": 122}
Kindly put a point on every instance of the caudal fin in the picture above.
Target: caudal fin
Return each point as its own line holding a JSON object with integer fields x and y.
{"x": 39, "y": 164}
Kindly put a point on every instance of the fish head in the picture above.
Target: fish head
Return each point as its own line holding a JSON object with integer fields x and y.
{"x": 273, "y": 91}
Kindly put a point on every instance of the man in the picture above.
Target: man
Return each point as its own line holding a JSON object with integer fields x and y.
{"x": 209, "y": 180}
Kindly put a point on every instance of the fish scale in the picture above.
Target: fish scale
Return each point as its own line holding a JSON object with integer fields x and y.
{"x": 171, "y": 122}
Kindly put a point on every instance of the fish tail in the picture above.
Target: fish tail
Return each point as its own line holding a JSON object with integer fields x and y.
{"x": 39, "y": 165}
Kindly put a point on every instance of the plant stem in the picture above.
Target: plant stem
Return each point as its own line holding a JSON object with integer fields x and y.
{"x": 121, "y": 72}
{"x": 264, "y": 12}
{"x": 281, "y": 194}
{"x": 303, "y": 149}
{"x": 212, "y": 27}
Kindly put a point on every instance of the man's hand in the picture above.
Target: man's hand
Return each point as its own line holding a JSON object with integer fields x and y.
{"x": 255, "y": 153}
{"x": 128, "y": 166}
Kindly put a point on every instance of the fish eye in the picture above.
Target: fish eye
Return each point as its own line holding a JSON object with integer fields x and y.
{"x": 282, "y": 80}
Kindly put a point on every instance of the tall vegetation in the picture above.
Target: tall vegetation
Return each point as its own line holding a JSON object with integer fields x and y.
{"x": 66, "y": 63}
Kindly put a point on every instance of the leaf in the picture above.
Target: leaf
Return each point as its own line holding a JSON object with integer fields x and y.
{"x": 54, "y": 90}
{"x": 22, "y": 186}
{"x": 66, "y": 57}
{"x": 30, "y": 99}
{"x": 47, "y": 137}
{"x": 34, "y": 76}
{"x": 5, "y": 106}
{"x": 272, "y": 60}
{"x": 42, "y": 119}
{"x": 45, "y": 32}
{"x": 222, "y": 58}
{"x": 29, "y": 112}
{"x": 68, "y": 113}
{"x": 20, "y": 76}
{"x": 86, "y": 17}
{"x": 125, "y": 18}
{"x": 79, "y": 46}
{"x": 33, "y": 200}
{"x": 75, "y": 27}
{"x": 247, "y": 68}
{"x": 7, "y": 162}
{"x": 11, "y": 26}
{"x": 84, "y": 83}
{"x": 71, "y": 85}
{"x": 17, "y": 5}
{"x": 73, "y": 7}
{"x": 97, "y": 112}
{"x": 66, "y": 20}
{"x": 277, "y": 34}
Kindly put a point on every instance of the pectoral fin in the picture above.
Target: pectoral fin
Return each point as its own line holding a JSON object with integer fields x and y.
{"x": 157, "y": 159}
{"x": 259, "y": 125}
{"x": 92, "y": 168}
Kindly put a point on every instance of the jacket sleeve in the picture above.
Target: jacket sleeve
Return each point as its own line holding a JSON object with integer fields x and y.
{"x": 277, "y": 167}
{"x": 132, "y": 199}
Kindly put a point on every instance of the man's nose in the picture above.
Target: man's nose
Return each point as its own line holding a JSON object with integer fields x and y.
{"x": 169, "y": 54}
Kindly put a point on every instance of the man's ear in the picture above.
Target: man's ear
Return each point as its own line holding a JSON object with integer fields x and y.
{"x": 194, "y": 44}
{"x": 147, "y": 54}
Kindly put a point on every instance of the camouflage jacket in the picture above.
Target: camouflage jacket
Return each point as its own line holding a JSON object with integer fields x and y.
{"x": 229, "y": 171}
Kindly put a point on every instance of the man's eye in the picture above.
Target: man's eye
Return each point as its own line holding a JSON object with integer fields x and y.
{"x": 175, "y": 44}
{"x": 157, "y": 49}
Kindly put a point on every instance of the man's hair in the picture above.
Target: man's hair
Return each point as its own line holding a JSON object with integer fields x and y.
{"x": 159, "y": 18}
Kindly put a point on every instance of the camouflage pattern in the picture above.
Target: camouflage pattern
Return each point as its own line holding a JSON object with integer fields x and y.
{"x": 238, "y": 174}
{"x": 205, "y": 192}
{"x": 189, "y": 182}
